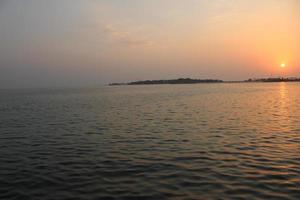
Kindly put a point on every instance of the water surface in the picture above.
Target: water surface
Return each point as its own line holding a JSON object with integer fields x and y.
{"x": 204, "y": 141}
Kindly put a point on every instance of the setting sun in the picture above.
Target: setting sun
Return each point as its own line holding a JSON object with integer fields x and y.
{"x": 283, "y": 65}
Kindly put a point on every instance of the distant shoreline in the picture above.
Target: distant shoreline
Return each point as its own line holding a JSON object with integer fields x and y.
{"x": 170, "y": 81}
{"x": 274, "y": 80}
{"x": 198, "y": 81}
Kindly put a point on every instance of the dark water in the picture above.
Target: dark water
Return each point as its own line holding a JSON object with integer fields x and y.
{"x": 206, "y": 141}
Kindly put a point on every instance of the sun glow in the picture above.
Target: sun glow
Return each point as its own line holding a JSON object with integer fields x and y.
{"x": 283, "y": 65}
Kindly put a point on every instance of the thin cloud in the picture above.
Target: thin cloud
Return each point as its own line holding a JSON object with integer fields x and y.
{"x": 126, "y": 37}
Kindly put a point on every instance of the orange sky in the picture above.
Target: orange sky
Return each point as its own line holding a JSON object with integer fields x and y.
{"x": 95, "y": 42}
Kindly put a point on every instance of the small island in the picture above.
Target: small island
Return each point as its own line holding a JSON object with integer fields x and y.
{"x": 195, "y": 81}
{"x": 271, "y": 80}
{"x": 170, "y": 81}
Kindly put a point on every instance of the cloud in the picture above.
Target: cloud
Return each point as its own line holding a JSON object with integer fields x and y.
{"x": 127, "y": 37}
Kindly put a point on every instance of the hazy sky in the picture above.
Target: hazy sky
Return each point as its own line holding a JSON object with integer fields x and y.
{"x": 89, "y": 42}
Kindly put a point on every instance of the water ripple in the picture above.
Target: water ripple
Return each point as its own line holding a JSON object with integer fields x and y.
{"x": 225, "y": 141}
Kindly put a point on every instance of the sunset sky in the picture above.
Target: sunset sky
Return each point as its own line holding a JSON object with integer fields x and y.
{"x": 92, "y": 42}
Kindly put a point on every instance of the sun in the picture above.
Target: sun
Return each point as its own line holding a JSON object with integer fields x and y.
{"x": 283, "y": 65}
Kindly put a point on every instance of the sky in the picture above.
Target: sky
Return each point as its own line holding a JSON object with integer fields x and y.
{"x": 46, "y": 43}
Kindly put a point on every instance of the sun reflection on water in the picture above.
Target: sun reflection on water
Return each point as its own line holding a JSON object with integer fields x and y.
{"x": 283, "y": 111}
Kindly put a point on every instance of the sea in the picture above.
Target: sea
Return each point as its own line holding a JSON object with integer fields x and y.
{"x": 200, "y": 141}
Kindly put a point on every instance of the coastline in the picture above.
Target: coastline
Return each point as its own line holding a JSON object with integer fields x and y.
{"x": 201, "y": 81}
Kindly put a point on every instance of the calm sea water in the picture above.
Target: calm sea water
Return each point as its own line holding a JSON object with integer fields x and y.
{"x": 204, "y": 141}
